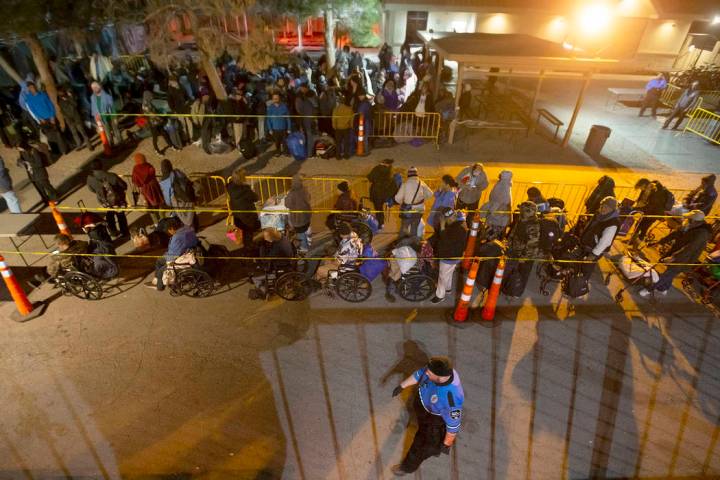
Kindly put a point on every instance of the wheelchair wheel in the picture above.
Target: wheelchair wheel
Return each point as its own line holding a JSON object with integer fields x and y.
{"x": 416, "y": 287}
{"x": 81, "y": 285}
{"x": 353, "y": 287}
{"x": 293, "y": 287}
{"x": 192, "y": 283}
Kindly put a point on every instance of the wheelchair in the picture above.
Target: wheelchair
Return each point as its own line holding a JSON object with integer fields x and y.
{"x": 79, "y": 281}
{"x": 358, "y": 222}
{"x": 186, "y": 275}
{"x": 415, "y": 285}
{"x": 349, "y": 284}
{"x": 287, "y": 282}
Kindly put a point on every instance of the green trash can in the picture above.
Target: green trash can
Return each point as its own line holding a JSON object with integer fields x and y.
{"x": 596, "y": 140}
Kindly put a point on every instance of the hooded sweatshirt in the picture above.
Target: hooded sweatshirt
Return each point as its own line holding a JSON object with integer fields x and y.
{"x": 472, "y": 184}
{"x": 298, "y": 198}
{"x": 497, "y": 209}
{"x": 143, "y": 177}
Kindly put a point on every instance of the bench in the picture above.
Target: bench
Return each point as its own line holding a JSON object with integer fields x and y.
{"x": 556, "y": 122}
{"x": 634, "y": 94}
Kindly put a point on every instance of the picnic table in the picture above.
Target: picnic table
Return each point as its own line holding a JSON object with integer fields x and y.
{"x": 624, "y": 94}
{"x": 19, "y": 228}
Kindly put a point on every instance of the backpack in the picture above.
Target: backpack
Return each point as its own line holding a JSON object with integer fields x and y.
{"x": 669, "y": 200}
{"x": 370, "y": 269}
{"x": 247, "y": 148}
{"x": 296, "y": 146}
{"x": 575, "y": 286}
{"x": 183, "y": 188}
{"x": 514, "y": 285}
{"x": 112, "y": 195}
{"x": 550, "y": 234}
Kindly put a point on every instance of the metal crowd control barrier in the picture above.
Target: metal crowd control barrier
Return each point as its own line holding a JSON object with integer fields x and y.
{"x": 323, "y": 190}
{"x": 134, "y": 62}
{"x": 405, "y": 125}
{"x": 705, "y": 124}
{"x": 672, "y": 93}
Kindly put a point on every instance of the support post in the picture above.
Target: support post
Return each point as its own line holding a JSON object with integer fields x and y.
{"x": 534, "y": 101}
{"x": 458, "y": 92}
{"x": 578, "y": 104}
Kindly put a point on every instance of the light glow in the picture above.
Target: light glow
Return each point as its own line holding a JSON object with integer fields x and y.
{"x": 594, "y": 19}
{"x": 497, "y": 23}
{"x": 716, "y": 20}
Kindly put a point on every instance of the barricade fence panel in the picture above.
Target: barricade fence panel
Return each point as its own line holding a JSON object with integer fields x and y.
{"x": 705, "y": 124}
{"x": 404, "y": 125}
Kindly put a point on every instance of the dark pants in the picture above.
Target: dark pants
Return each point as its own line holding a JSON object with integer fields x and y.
{"x": 157, "y": 131}
{"x": 651, "y": 100}
{"x": 307, "y": 129}
{"x": 342, "y": 143}
{"x": 677, "y": 113}
{"x": 642, "y": 228}
{"x": 325, "y": 126}
{"x": 666, "y": 278}
{"x": 45, "y": 189}
{"x": 160, "y": 267}
{"x": 278, "y": 137}
{"x": 77, "y": 129}
{"x": 470, "y": 214}
{"x": 428, "y": 438}
{"x": 117, "y": 222}
{"x": 380, "y": 212}
{"x": 52, "y": 132}
{"x": 409, "y": 224}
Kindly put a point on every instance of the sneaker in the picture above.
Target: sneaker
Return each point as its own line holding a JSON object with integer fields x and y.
{"x": 150, "y": 285}
{"x": 646, "y": 293}
{"x": 436, "y": 300}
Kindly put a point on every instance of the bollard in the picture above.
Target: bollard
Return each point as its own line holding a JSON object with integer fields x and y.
{"x": 25, "y": 309}
{"x": 59, "y": 219}
{"x": 461, "y": 311}
{"x": 488, "y": 311}
{"x": 472, "y": 238}
{"x": 103, "y": 136}
{"x": 360, "y": 150}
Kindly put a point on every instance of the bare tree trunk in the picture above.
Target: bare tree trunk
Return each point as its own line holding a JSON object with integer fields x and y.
{"x": 10, "y": 70}
{"x": 299, "y": 33}
{"x": 329, "y": 36}
{"x": 213, "y": 77}
{"x": 41, "y": 62}
{"x": 245, "y": 24}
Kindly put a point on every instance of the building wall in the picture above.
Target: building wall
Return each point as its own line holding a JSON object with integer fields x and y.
{"x": 460, "y": 22}
{"x": 663, "y": 37}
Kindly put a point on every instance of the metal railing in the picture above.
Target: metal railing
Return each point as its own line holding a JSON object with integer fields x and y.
{"x": 705, "y": 124}
{"x": 672, "y": 93}
{"x": 405, "y": 125}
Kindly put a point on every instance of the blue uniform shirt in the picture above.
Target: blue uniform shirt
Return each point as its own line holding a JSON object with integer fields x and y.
{"x": 444, "y": 400}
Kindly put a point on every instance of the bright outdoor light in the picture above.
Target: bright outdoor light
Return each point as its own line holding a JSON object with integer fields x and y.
{"x": 568, "y": 46}
{"x": 594, "y": 18}
{"x": 716, "y": 20}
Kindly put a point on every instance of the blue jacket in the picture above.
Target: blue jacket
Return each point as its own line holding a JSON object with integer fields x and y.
{"x": 183, "y": 240}
{"x": 39, "y": 106}
{"x": 277, "y": 117}
{"x": 444, "y": 400}
{"x": 106, "y": 104}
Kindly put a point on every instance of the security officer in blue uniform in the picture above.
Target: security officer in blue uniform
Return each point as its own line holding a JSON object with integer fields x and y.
{"x": 439, "y": 412}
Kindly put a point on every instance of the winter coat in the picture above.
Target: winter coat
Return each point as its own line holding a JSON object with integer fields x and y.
{"x": 177, "y": 101}
{"x": 701, "y": 199}
{"x": 5, "y": 180}
{"x": 102, "y": 104}
{"x": 687, "y": 98}
{"x": 392, "y": 102}
{"x": 277, "y": 117}
{"x": 68, "y": 107}
{"x": 412, "y": 102}
{"x": 443, "y": 198}
{"x": 242, "y": 197}
{"x": 652, "y": 200}
{"x": 687, "y": 245}
{"x": 95, "y": 183}
{"x": 382, "y": 185}
{"x": 497, "y": 209}
{"x": 40, "y": 106}
{"x": 524, "y": 239}
{"x": 143, "y": 177}
{"x": 342, "y": 118}
{"x": 604, "y": 188}
{"x": 451, "y": 241}
{"x": 406, "y": 194}
{"x": 298, "y": 198}
{"x": 327, "y": 102}
{"x": 471, "y": 184}
{"x": 346, "y": 201}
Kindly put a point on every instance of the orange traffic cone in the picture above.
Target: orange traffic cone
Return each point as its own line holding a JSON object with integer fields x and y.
{"x": 103, "y": 136}
{"x": 462, "y": 309}
{"x": 488, "y": 311}
{"x": 59, "y": 219}
{"x": 25, "y": 309}
{"x": 472, "y": 238}
{"x": 360, "y": 150}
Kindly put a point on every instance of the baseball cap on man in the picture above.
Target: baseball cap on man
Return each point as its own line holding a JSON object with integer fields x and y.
{"x": 440, "y": 366}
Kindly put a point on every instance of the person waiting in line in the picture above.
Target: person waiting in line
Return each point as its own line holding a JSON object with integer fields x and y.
{"x": 686, "y": 245}
{"x": 42, "y": 110}
{"x": 496, "y": 210}
{"x": 67, "y": 246}
{"x": 346, "y": 255}
{"x": 276, "y": 253}
{"x": 535, "y": 195}
{"x": 34, "y": 164}
{"x": 178, "y": 192}
{"x": 342, "y": 121}
{"x": 110, "y": 191}
{"x": 472, "y": 182}
{"x": 242, "y": 203}
{"x": 703, "y": 197}
{"x": 450, "y": 246}
{"x": 411, "y": 197}
{"x": 182, "y": 239}
{"x": 103, "y": 107}
{"x": 597, "y": 237}
{"x": 686, "y": 100}
{"x": 347, "y": 200}
{"x": 382, "y": 188}
{"x": 298, "y": 202}
{"x": 73, "y": 120}
{"x": 653, "y": 90}
{"x": 6, "y": 189}
{"x": 144, "y": 178}
{"x": 156, "y": 123}
{"x": 278, "y": 122}
{"x": 654, "y": 200}
{"x": 445, "y": 196}
{"x": 390, "y": 95}
{"x": 605, "y": 188}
